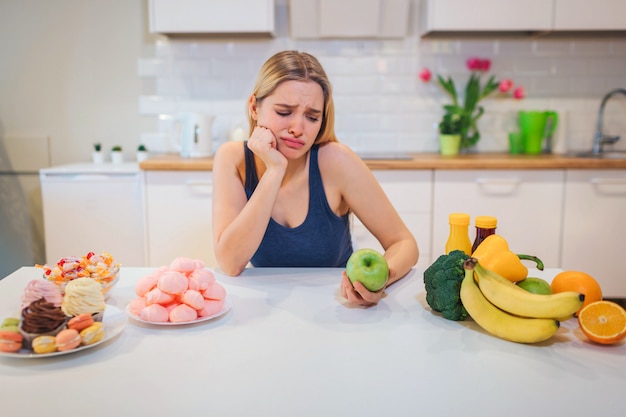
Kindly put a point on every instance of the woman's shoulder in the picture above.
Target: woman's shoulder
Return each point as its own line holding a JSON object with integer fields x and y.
{"x": 230, "y": 147}
{"x": 230, "y": 151}
{"x": 338, "y": 156}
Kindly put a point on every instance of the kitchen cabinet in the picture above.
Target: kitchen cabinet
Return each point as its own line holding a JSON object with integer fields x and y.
{"x": 486, "y": 15}
{"x": 590, "y": 15}
{"x": 527, "y": 17}
{"x": 594, "y": 232}
{"x": 178, "y": 216}
{"x": 410, "y": 193}
{"x": 211, "y": 16}
{"x": 94, "y": 208}
{"x": 527, "y": 203}
{"x": 326, "y": 19}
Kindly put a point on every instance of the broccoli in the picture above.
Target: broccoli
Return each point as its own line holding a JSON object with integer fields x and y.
{"x": 443, "y": 285}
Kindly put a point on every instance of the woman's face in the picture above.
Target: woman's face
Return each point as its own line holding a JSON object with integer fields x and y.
{"x": 294, "y": 115}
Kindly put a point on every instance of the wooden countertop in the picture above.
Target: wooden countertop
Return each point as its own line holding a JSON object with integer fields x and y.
{"x": 422, "y": 161}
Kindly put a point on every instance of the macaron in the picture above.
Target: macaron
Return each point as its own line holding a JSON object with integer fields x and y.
{"x": 80, "y": 322}
{"x": 44, "y": 344}
{"x": 10, "y": 321}
{"x": 10, "y": 341}
{"x": 68, "y": 339}
{"x": 92, "y": 334}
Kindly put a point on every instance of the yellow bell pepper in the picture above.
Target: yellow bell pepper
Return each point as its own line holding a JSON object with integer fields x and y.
{"x": 494, "y": 254}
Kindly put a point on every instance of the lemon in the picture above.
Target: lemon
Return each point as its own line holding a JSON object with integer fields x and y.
{"x": 535, "y": 285}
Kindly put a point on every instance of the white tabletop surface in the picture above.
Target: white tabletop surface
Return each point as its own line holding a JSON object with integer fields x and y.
{"x": 291, "y": 347}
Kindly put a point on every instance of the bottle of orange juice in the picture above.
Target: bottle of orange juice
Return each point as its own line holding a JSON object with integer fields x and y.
{"x": 459, "y": 233}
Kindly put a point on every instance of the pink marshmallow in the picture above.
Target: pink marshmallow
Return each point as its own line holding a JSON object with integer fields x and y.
{"x": 173, "y": 282}
{"x": 171, "y": 307}
{"x": 201, "y": 279}
{"x": 182, "y": 264}
{"x": 155, "y": 313}
{"x": 136, "y": 305}
{"x": 215, "y": 292}
{"x": 211, "y": 307}
{"x": 145, "y": 284}
{"x": 193, "y": 299}
{"x": 183, "y": 313}
{"x": 156, "y": 296}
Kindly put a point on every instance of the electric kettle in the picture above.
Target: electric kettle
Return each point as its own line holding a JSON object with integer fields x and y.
{"x": 192, "y": 134}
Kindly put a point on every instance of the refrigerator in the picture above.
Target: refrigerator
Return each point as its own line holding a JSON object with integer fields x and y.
{"x": 21, "y": 216}
{"x": 97, "y": 208}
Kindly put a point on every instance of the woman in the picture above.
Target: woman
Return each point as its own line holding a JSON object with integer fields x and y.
{"x": 283, "y": 198}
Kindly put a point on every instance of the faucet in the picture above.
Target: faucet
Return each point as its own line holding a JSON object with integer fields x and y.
{"x": 600, "y": 138}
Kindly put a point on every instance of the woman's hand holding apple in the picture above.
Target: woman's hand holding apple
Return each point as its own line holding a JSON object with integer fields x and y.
{"x": 358, "y": 294}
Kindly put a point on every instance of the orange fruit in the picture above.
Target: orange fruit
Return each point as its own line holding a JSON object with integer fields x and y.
{"x": 603, "y": 322}
{"x": 580, "y": 282}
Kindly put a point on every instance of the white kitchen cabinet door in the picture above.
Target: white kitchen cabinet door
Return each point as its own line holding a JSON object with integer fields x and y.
{"x": 92, "y": 211}
{"x": 594, "y": 230}
{"x": 410, "y": 193}
{"x": 590, "y": 15}
{"x": 211, "y": 16}
{"x": 336, "y": 19}
{"x": 178, "y": 210}
{"x": 527, "y": 203}
{"x": 486, "y": 15}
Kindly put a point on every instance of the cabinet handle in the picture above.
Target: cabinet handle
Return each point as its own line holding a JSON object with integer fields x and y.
{"x": 499, "y": 186}
{"x": 613, "y": 186}
{"x": 608, "y": 181}
{"x": 200, "y": 187}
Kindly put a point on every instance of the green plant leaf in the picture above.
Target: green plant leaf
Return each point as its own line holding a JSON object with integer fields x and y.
{"x": 449, "y": 87}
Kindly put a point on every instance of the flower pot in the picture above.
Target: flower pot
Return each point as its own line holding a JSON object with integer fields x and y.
{"x": 449, "y": 144}
{"x": 117, "y": 157}
{"x": 97, "y": 157}
{"x": 142, "y": 156}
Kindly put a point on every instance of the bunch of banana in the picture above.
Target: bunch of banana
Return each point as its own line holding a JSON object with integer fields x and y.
{"x": 510, "y": 312}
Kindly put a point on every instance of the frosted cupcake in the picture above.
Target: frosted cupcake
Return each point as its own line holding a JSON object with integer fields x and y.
{"x": 41, "y": 318}
{"x": 37, "y": 289}
{"x": 83, "y": 295}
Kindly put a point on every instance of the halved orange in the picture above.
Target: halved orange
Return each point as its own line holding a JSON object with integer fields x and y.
{"x": 603, "y": 322}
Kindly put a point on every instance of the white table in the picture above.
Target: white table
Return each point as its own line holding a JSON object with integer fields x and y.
{"x": 290, "y": 347}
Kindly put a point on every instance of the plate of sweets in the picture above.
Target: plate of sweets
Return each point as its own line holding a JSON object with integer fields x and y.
{"x": 101, "y": 268}
{"x": 183, "y": 292}
{"x": 52, "y": 323}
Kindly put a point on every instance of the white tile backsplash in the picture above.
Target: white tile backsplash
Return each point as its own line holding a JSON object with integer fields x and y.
{"x": 381, "y": 103}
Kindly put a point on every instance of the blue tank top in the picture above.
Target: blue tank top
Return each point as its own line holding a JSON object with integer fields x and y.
{"x": 322, "y": 240}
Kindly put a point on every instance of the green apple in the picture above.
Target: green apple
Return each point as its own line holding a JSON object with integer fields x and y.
{"x": 368, "y": 267}
{"x": 535, "y": 285}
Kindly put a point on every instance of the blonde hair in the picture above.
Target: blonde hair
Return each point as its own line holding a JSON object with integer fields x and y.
{"x": 296, "y": 66}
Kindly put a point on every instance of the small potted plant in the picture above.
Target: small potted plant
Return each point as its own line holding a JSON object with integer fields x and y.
{"x": 466, "y": 102}
{"x": 117, "y": 157}
{"x": 450, "y": 129}
{"x": 142, "y": 153}
{"x": 97, "y": 156}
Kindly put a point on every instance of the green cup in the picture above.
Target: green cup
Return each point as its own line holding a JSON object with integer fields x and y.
{"x": 535, "y": 126}
{"x": 516, "y": 143}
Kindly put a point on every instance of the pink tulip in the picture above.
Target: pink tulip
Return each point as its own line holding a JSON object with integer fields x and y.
{"x": 485, "y": 64}
{"x": 474, "y": 64}
{"x": 425, "y": 75}
{"x": 505, "y": 85}
{"x": 519, "y": 93}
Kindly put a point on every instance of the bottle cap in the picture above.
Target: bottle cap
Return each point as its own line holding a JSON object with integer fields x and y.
{"x": 460, "y": 219}
{"x": 486, "y": 222}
